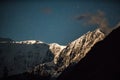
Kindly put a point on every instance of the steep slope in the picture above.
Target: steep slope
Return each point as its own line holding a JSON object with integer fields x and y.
{"x": 101, "y": 63}
{"x": 70, "y": 54}
{"x": 77, "y": 49}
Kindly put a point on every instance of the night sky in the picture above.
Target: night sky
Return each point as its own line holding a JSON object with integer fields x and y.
{"x": 52, "y": 20}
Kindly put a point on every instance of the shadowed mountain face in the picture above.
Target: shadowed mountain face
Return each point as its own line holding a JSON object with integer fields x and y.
{"x": 101, "y": 63}
{"x": 16, "y": 58}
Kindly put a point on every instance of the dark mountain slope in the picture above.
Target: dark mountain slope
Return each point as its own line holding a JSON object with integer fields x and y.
{"x": 101, "y": 63}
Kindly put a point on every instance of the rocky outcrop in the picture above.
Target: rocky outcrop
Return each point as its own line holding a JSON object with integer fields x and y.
{"x": 77, "y": 49}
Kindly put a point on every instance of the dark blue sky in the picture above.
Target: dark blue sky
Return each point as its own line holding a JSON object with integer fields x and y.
{"x": 51, "y": 21}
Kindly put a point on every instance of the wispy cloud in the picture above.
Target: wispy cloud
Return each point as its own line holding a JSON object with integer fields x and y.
{"x": 96, "y": 19}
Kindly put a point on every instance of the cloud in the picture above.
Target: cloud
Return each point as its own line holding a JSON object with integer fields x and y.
{"x": 96, "y": 19}
{"x": 80, "y": 17}
{"x": 46, "y": 10}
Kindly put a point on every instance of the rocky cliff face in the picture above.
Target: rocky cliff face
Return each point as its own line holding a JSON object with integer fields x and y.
{"x": 102, "y": 62}
{"x": 71, "y": 54}
{"x": 77, "y": 49}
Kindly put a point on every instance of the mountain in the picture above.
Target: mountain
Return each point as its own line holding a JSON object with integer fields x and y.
{"x": 70, "y": 54}
{"x": 41, "y": 60}
{"x": 18, "y": 57}
{"x": 77, "y": 49}
{"x": 102, "y": 62}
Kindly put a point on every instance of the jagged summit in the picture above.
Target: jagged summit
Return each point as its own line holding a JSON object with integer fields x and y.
{"x": 77, "y": 49}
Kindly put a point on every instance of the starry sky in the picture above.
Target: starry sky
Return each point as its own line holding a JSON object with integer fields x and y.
{"x": 52, "y": 20}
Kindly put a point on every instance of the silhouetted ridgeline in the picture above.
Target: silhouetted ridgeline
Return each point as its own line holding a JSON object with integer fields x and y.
{"x": 101, "y": 63}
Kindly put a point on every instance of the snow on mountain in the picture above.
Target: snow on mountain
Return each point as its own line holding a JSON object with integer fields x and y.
{"x": 69, "y": 55}
{"x": 40, "y": 58}
{"x": 102, "y": 62}
{"x": 77, "y": 49}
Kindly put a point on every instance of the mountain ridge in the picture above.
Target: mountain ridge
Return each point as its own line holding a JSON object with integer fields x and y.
{"x": 101, "y": 63}
{"x": 50, "y": 59}
{"x": 64, "y": 60}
